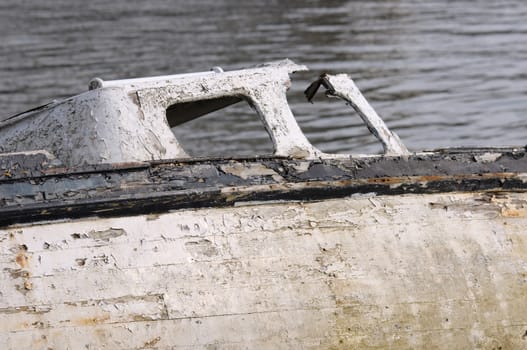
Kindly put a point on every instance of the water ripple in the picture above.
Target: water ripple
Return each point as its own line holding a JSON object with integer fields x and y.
{"x": 440, "y": 73}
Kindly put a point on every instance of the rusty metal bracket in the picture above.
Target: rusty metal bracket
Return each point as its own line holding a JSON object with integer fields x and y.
{"x": 342, "y": 86}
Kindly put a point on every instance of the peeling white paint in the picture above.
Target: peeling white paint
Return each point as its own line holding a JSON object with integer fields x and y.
{"x": 488, "y": 157}
{"x": 126, "y": 121}
{"x": 396, "y": 272}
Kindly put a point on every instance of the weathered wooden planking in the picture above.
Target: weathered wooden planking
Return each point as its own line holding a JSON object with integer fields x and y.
{"x": 415, "y": 271}
{"x": 131, "y": 189}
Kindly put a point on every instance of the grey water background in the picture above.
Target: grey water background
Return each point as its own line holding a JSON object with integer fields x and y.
{"x": 440, "y": 73}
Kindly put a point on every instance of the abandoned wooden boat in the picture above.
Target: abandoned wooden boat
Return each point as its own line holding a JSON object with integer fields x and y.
{"x": 112, "y": 236}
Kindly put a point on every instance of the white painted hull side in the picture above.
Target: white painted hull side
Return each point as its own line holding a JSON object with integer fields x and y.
{"x": 434, "y": 271}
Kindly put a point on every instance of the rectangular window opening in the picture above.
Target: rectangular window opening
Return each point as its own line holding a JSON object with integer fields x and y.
{"x": 222, "y": 127}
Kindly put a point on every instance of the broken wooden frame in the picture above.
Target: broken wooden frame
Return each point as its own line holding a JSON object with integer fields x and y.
{"x": 342, "y": 86}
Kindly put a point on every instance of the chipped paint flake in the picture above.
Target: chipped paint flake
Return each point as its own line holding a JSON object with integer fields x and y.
{"x": 487, "y": 157}
{"x": 245, "y": 172}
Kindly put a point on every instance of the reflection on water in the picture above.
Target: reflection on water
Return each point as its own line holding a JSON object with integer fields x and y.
{"x": 440, "y": 73}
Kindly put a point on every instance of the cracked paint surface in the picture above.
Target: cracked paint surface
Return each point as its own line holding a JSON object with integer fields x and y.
{"x": 338, "y": 274}
{"x": 125, "y": 123}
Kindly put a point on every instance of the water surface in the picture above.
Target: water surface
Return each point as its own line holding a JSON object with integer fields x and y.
{"x": 441, "y": 73}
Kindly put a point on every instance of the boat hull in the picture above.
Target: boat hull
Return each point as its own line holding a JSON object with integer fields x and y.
{"x": 425, "y": 270}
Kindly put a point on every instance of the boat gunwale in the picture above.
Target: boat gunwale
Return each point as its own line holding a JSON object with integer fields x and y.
{"x": 123, "y": 189}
